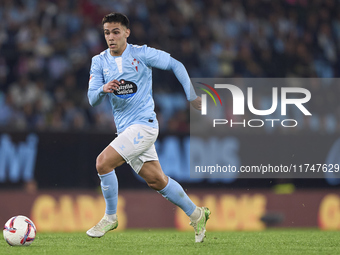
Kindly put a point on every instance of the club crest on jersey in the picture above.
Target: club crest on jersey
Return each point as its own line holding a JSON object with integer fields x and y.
{"x": 135, "y": 63}
{"x": 126, "y": 89}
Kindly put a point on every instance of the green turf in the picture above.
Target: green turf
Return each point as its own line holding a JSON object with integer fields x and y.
{"x": 287, "y": 241}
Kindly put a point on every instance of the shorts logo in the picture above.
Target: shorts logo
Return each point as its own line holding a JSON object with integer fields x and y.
{"x": 135, "y": 140}
{"x": 122, "y": 147}
{"x": 126, "y": 89}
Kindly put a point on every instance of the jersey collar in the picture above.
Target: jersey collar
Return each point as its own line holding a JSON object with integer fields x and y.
{"x": 125, "y": 52}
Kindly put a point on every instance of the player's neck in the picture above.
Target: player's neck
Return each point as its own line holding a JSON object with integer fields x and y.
{"x": 118, "y": 53}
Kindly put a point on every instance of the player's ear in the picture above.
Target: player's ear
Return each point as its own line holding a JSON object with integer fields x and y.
{"x": 127, "y": 33}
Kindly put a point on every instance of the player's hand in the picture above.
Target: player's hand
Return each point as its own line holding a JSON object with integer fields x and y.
{"x": 197, "y": 103}
{"x": 111, "y": 86}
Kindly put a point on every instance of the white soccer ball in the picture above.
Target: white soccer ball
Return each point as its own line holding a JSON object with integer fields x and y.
{"x": 19, "y": 230}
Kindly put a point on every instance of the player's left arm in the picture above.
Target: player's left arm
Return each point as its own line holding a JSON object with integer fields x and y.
{"x": 162, "y": 60}
{"x": 183, "y": 77}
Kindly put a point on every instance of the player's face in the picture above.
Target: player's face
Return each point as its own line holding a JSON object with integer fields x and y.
{"x": 116, "y": 37}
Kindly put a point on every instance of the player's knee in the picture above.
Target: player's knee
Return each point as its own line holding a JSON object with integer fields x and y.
{"x": 154, "y": 185}
{"x": 157, "y": 183}
{"x": 100, "y": 165}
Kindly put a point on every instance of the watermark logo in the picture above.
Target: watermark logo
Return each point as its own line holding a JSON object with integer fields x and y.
{"x": 239, "y": 102}
{"x": 204, "y": 97}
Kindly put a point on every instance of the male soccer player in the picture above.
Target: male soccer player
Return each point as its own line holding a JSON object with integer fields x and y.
{"x": 123, "y": 74}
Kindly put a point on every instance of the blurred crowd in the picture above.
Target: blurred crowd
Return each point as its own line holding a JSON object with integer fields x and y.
{"x": 46, "y": 48}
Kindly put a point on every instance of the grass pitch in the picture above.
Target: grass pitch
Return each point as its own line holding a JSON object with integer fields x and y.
{"x": 278, "y": 241}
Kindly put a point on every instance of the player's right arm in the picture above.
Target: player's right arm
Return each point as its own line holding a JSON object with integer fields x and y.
{"x": 95, "y": 92}
{"x": 97, "y": 89}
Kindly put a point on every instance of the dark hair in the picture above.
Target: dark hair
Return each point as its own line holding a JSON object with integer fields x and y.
{"x": 116, "y": 17}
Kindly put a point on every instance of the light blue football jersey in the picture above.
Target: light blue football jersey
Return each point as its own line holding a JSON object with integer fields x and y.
{"x": 133, "y": 102}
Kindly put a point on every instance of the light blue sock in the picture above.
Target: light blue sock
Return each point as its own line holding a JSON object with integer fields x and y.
{"x": 109, "y": 185}
{"x": 174, "y": 192}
